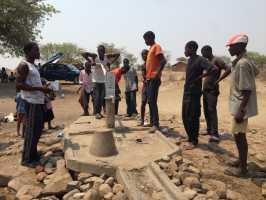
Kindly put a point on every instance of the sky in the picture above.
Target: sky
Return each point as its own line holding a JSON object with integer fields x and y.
{"x": 175, "y": 22}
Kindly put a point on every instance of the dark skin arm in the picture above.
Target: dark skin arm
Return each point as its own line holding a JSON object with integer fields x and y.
{"x": 242, "y": 108}
{"x": 137, "y": 82}
{"x": 88, "y": 55}
{"x": 162, "y": 64}
{"x": 22, "y": 73}
{"x": 226, "y": 68}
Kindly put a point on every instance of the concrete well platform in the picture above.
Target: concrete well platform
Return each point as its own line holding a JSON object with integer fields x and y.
{"x": 136, "y": 147}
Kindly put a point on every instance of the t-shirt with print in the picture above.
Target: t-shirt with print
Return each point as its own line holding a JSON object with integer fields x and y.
{"x": 99, "y": 70}
{"x": 195, "y": 67}
{"x": 153, "y": 64}
{"x": 130, "y": 80}
{"x": 243, "y": 77}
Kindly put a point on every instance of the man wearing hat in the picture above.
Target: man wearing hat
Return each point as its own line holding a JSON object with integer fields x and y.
{"x": 243, "y": 99}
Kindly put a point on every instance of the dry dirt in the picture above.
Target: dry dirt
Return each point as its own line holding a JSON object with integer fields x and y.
{"x": 170, "y": 99}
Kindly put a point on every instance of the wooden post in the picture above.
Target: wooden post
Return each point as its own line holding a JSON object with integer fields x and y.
{"x": 110, "y": 112}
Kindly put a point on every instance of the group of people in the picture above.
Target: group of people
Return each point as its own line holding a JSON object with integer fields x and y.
{"x": 4, "y": 77}
{"x": 243, "y": 102}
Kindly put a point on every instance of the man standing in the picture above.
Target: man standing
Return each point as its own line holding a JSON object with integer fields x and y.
{"x": 211, "y": 92}
{"x": 154, "y": 66}
{"x": 32, "y": 91}
{"x": 100, "y": 65}
{"x": 191, "y": 108}
{"x": 131, "y": 80}
{"x": 144, "y": 95}
{"x": 85, "y": 79}
{"x": 243, "y": 99}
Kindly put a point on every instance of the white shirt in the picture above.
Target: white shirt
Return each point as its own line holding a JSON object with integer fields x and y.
{"x": 99, "y": 70}
{"x": 86, "y": 81}
{"x": 34, "y": 80}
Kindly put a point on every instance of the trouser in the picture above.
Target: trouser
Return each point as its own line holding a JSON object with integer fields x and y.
{"x": 85, "y": 99}
{"x": 34, "y": 127}
{"x": 144, "y": 101}
{"x": 210, "y": 98}
{"x": 131, "y": 102}
{"x": 117, "y": 98}
{"x": 191, "y": 110}
{"x": 153, "y": 90}
{"x": 98, "y": 97}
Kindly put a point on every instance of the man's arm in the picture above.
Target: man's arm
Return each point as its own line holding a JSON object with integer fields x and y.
{"x": 208, "y": 67}
{"x": 22, "y": 73}
{"x": 162, "y": 61}
{"x": 137, "y": 81}
{"x": 225, "y": 67}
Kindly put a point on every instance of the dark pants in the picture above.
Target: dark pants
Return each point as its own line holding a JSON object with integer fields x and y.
{"x": 153, "y": 90}
{"x": 131, "y": 102}
{"x": 144, "y": 101}
{"x": 85, "y": 99}
{"x": 117, "y": 98}
{"x": 98, "y": 97}
{"x": 34, "y": 127}
{"x": 210, "y": 111}
{"x": 191, "y": 111}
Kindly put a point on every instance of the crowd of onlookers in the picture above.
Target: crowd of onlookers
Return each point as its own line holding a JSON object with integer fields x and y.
{"x": 5, "y": 78}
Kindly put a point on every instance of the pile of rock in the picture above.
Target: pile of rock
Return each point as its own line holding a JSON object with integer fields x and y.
{"x": 194, "y": 183}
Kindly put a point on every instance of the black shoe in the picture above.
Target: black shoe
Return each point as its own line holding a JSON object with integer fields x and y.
{"x": 214, "y": 139}
{"x": 140, "y": 123}
{"x": 30, "y": 164}
{"x": 98, "y": 116}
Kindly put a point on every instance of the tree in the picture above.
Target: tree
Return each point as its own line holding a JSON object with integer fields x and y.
{"x": 72, "y": 53}
{"x": 20, "y": 22}
{"x": 259, "y": 59}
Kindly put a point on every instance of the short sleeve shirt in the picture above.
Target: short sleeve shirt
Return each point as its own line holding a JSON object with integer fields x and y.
{"x": 130, "y": 79}
{"x": 243, "y": 78}
{"x": 195, "y": 68}
{"x": 86, "y": 81}
{"x": 153, "y": 63}
{"x": 118, "y": 74}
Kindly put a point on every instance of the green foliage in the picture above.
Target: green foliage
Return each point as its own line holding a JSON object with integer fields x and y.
{"x": 20, "y": 22}
{"x": 258, "y": 58}
{"x": 72, "y": 53}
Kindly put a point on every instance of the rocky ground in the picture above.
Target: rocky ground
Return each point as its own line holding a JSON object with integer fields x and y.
{"x": 198, "y": 173}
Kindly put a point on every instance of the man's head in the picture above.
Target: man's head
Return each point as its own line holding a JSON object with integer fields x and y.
{"x": 149, "y": 38}
{"x": 191, "y": 48}
{"x": 101, "y": 50}
{"x": 237, "y": 44}
{"x": 126, "y": 62}
{"x": 206, "y": 52}
{"x": 125, "y": 69}
{"x": 32, "y": 50}
{"x": 88, "y": 67}
{"x": 144, "y": 54}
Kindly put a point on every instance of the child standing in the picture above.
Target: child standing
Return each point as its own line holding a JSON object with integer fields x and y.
{"x": 21, "y": 114}
{"x": 48, "y": 109}
{"x": 131, "y": 80}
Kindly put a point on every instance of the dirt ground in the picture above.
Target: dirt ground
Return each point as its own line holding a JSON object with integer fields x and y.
{"x": 207, "y": 156}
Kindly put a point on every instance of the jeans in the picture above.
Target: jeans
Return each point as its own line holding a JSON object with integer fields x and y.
{"x": 210, "y": 98}
{"x": 191, "y": 111}
{"x": 144, "y": 101}
{"x": 131, "y": 102}
{"x": 98, "y": 97}
{"x": 153, "y": 90}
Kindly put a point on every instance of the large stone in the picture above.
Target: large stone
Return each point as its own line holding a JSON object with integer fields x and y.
{"x": 190, "y": 194}
{"x": 120, "y": 196}
{"x": 192, "y": 182}
{"x": 93, "y": 180}
{"x": 193, "y": 170}
{"x": 201, "y": 197}
{"x": 263, "y": 190}
{"x": 92, "y": 195}
{"x": 59, "y": 181}
{"x": 214, "y": 185}
{"x": 231, "y": 195}
{"x": 18, "y": 182}
{"x": 110, "y": 181}
{"x": 212, "y": 195}
{"x": 28, "y": 190}
{"x": 73, "y": 185}
{"x": 78, "y": 196}
{"x": 86, "y": 187}
{"x": 104, "y": 189}
{"x": 109, "y": 196}
{"x": 70, "y": 194}
{"x": 118, "y": 188}
{"x": 83, "y": 176}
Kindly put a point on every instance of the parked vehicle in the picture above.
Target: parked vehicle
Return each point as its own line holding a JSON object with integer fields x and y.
{"x": 52, "y": 70}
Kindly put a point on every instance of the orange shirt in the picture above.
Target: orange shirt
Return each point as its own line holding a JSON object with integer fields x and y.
{"x": 118, "y": 74}
{"x": 153, "y": 62}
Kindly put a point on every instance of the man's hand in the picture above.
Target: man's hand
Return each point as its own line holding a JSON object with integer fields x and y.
{"x": 46, "y": 90}
{"x": 240, "y": 116}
